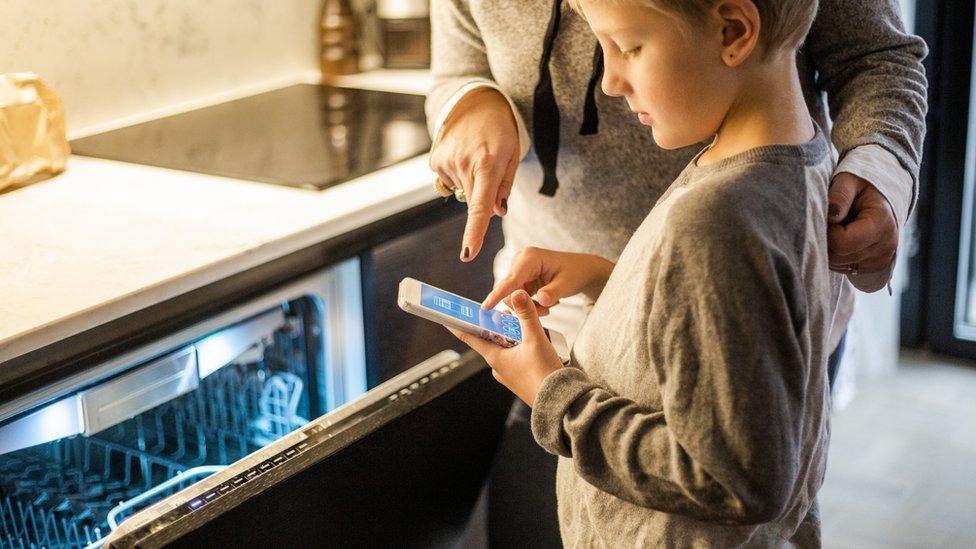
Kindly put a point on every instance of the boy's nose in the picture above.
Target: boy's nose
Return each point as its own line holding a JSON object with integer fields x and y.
{"x": 612, "y": 84}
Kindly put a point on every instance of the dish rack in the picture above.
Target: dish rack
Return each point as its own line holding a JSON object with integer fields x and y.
{"x": 72, "y": 492}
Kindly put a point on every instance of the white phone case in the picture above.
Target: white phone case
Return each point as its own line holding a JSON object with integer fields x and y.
{"x": 409, "y": 301}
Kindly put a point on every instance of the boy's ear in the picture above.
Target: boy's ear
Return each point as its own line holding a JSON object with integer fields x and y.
{"x": 741, "y": 25}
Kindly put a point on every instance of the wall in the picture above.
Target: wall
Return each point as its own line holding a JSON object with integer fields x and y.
{"x": 110, "y": 59}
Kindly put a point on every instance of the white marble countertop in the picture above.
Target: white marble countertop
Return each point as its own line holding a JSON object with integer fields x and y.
{"x": 105, "y": 239}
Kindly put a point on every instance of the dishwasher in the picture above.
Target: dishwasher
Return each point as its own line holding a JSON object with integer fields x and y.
{"x": 80, "y": 457}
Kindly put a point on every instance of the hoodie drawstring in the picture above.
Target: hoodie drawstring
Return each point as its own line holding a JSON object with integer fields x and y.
{"x": 545, "y": 111}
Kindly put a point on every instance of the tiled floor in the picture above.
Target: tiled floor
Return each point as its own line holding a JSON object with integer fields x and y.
{"x": 902, "y": 468}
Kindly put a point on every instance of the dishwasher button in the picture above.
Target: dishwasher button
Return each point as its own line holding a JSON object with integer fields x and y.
{"x": 195, "y": 504}
{"x": 239, "y": 479}
{"x": 210, "y": 496}
{"x": 265, "y": 466}
{"x": 224, "y": 488}
{"x": 251, "y": 473}
{"x": 290, "y": 452}
{"x": 278, "y": 459}
{"x": 302, "y": 446}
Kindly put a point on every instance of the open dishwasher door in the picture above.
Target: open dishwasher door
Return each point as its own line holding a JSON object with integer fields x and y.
{"x": 400, "y": 466}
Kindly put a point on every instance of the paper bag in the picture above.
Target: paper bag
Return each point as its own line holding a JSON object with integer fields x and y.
{"x": 33, "y": 144}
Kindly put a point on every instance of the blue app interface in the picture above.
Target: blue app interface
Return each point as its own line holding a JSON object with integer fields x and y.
{"x": 470, "y": 312}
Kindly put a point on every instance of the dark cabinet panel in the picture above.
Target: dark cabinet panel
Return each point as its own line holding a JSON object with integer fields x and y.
{"x": 396, "y": 340}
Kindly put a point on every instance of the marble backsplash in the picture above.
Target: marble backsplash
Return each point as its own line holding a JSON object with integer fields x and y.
{"x": 113, "y": 59}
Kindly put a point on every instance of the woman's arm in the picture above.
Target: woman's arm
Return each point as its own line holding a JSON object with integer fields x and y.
{"x": 872, "y": 71}
{"x": 876, "y": 89}
{"x": 479, "y": 137}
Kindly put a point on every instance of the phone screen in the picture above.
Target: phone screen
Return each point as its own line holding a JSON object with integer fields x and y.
{"x": 470, "y": 312}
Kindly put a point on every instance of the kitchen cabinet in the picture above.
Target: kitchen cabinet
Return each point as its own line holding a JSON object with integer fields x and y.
{"x": 395, "y": 339}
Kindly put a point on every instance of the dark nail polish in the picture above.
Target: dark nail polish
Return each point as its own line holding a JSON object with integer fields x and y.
{"x": 505, "y": 204}
{"x": 833, "y": 210}
{"x": 467, "y": 252}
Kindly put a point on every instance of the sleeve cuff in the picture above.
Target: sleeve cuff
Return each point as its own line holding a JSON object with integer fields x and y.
{"x": 525, "y": 142}
{"x": 879, "y": 167}
{"x": 556, "y": 394}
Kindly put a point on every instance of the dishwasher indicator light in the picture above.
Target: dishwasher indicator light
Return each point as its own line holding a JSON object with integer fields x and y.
{"x": 195, "y": 504}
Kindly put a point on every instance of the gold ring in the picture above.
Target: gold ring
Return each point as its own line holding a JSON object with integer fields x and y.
{"x": 442, "y": 189}
{"x": 459, "y": 194}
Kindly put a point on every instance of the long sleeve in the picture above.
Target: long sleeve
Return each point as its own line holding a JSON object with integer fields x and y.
{"x": 458, "y": 54}
{"x": 729, "y": 346}
{"x": 871, "y": 69}
{"x": 460, "y": 66}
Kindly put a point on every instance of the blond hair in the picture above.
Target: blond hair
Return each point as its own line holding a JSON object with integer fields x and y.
{"x": 785, "y": 23}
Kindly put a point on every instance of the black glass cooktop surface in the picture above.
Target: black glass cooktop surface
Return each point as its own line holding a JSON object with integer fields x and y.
{"x": 307, "y": 136}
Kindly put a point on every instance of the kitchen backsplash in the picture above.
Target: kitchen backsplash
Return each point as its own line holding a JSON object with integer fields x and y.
{"x": 113, "y": 59}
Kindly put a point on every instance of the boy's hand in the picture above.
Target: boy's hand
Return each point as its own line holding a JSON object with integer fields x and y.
{"x": 521, "y": 368}
{"x": 551, "y": 276}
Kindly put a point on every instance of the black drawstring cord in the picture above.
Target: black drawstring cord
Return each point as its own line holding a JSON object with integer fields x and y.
{"x": 545, "y": 112}
{"x": 591, "y": 115}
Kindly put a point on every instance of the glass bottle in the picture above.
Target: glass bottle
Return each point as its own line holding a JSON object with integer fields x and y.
{"x": 339, "y": 53}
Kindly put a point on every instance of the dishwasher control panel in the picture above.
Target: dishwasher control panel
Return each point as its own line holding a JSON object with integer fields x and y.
{"x": 241, "y": 479}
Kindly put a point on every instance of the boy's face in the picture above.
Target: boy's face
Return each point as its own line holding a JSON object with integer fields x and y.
{"x": 670, "y": 72}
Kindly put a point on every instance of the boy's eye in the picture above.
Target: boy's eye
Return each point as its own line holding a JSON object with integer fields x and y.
{"x": 631, "y": 52}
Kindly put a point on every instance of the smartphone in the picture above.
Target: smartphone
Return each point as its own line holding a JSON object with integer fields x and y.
{"x": 465, "y": 315}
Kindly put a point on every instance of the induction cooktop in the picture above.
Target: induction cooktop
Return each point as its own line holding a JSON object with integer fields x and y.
{"x": 306, "y": 135}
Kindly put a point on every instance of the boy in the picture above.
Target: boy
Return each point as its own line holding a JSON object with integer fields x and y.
{"x": 694, "y": 410}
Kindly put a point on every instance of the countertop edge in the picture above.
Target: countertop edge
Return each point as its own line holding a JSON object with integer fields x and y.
{"x": 415, "y": 194}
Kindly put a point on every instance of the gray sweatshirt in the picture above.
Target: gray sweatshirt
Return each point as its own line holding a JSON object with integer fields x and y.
{"x": 694, "y": 412}
{"x": 857, "y": 51}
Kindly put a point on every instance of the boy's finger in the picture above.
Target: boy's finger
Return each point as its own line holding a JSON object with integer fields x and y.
{"x": 525, "y": 310}
{"x": 504, "y": 289}
{"x": 480, "y": 346}
{"x": 541, "y": 310}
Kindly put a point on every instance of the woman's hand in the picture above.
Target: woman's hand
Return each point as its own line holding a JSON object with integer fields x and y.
{"x": 477, "y": 150}
{"x": 521, "y": 368}
{"x": 869, "y": 241}
{"x": 551, "y": 276}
